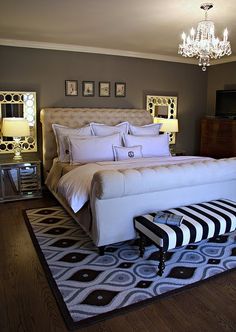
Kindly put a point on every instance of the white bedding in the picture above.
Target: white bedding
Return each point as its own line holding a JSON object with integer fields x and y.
{"x": 75, "y": 185}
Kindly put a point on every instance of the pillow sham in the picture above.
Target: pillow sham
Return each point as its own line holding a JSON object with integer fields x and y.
{"x": 152, "y": 146}
{"x": 147, "y": 130}
{"x": 99, "y": 129}
{"x": 92, "y": 149}
{"x": 61, "y": 132}
{"x": 123, "y": 153}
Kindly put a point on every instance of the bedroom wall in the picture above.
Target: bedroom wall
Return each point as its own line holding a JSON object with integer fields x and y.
{"x": 220, "y": 77}
{"x": 45, "y": 72}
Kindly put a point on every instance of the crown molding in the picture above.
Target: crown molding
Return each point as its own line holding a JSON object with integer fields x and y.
{"x": 89, "y": 49}
{"x": 106, "y": 51}
{"x": 226, "y": 59}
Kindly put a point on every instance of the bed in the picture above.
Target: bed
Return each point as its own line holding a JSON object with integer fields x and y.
{"x": 119, "y": 193}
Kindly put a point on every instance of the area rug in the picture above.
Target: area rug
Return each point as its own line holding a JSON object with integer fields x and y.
{"x": 89, "y": 287}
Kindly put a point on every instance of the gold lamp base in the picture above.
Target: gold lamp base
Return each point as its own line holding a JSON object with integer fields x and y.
{"x": 172, "y": 149}
{"x": 17, "y": 149}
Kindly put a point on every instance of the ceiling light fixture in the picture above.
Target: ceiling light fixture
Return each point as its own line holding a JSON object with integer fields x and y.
{"x": 204, "y": 45}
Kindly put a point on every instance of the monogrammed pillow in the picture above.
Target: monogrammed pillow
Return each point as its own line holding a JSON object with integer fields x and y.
{"x": 123, "y": 153}
{"x": 61, "y": 133}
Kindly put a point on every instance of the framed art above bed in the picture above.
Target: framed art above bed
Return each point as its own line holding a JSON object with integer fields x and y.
{"x": 104, "y": 89}
{"x": 71, "y": 88}
{"x": 120, "y": 89}
{"x": 88, "y": 88}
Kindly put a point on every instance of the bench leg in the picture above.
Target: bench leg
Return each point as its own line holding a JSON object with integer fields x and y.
{"x": 141, "y": 244}
{"x": 101, "y": 250}
{"x": 161, "y": 266}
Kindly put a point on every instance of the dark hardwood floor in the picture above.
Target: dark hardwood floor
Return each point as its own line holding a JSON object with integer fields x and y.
{"x": 27, "y": 304}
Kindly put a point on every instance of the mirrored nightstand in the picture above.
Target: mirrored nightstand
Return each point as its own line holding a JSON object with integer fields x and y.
{"x": 20, "y": 179}
{"x": 179, "y": 153}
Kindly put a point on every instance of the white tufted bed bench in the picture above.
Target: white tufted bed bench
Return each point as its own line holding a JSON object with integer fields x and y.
{"x": 117, "y": 196}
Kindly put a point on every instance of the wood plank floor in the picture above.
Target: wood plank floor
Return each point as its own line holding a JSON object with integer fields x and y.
{"x": 27, "y": 304}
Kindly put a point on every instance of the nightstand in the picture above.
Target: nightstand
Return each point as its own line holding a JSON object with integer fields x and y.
{"x": 20, "y": 179}
{"x": 175, "y": 152}
{"x": 180, "y": 153}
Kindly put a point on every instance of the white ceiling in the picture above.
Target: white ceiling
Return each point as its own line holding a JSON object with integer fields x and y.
{"x": 148, "y": 29}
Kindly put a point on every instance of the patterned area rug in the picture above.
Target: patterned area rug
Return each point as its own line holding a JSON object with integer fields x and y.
{"x": 89, "y": 287}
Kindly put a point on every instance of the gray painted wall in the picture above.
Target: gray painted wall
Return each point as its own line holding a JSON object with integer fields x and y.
{"x": 220, "y": 77}
{"x": 45, "y": 72}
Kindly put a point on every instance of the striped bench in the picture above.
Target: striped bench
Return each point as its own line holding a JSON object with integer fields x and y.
{"x": 200, "y": 221}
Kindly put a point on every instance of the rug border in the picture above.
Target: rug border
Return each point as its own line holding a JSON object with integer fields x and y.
{"x": 71, "y": 325}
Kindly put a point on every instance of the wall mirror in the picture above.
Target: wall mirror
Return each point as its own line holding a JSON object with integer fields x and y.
{"x": 19, "y": 104}
{"x": 163, "y": 107}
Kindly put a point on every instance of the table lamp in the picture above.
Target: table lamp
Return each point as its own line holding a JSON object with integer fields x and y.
{"x": 16, "y": 128}
{"x": 168, "y": 126}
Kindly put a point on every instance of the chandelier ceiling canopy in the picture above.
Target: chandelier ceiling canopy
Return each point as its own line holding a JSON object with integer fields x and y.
{"x": 202, "y": 43}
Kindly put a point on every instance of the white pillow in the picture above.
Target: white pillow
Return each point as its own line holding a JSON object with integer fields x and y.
{"x": 123, "y": 153}
{"x": 61, "y": 133}
{"x": 92, "y": 149}
{"x": 147, "y": 130}
{"x": 99, "y": 129}
{"x": 152, "y": 146}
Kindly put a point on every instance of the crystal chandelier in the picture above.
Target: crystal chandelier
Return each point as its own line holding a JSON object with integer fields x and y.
{"x": 204, "y": 45}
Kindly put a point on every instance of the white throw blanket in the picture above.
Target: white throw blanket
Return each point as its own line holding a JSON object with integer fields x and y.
{"x": 75, "y": 185}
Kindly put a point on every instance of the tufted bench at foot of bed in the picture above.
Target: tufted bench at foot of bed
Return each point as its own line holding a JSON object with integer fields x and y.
{"x": 200, "y": 221}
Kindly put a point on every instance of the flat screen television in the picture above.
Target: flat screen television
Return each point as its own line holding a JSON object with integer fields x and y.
{"x": 226, "y": 103}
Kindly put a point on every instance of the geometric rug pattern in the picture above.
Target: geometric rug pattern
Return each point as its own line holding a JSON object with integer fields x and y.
{"x": 89, "y": 287}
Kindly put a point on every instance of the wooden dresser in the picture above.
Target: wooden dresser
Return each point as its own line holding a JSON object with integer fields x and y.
{"x": 218, "y": 137}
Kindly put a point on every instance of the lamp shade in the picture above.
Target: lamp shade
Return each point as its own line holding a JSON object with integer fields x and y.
{"x": 168, "y": 125}
{"x": 15, "y": 127}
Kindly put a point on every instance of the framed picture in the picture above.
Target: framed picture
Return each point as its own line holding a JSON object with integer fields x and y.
{"x": 71, "y": 88}
{"x": 104, "y": 89}
{"x": 120, "y": 89}
{"x": 88, "y": 88}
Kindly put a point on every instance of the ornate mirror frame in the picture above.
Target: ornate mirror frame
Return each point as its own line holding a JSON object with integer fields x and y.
{"x": 27, "y": 107}
{"x": 163, "y": 107}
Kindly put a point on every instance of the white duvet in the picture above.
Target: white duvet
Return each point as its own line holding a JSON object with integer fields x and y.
{"x": 75, "y": 185}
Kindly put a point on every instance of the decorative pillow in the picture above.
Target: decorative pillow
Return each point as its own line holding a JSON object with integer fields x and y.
{"x": 152, "y": 146}
{"x": 92, "y": 149}
{"x": 147, "y": 130}
{"x": 123, "y": 153}
{"x": 61, "y": 132}
{"x": 99, "y": 129}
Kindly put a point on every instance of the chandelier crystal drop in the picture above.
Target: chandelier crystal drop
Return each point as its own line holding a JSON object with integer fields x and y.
{"x": 203, "y": 44}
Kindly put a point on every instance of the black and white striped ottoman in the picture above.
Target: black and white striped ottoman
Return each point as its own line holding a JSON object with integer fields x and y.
{"x": 201, "y": 221}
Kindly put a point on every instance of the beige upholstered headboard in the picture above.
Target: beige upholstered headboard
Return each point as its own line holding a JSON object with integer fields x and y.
{"x": 79, "y": 117}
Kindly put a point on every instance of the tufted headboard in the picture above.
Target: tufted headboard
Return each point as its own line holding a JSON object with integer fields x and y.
{"x": 79, "y": 117}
